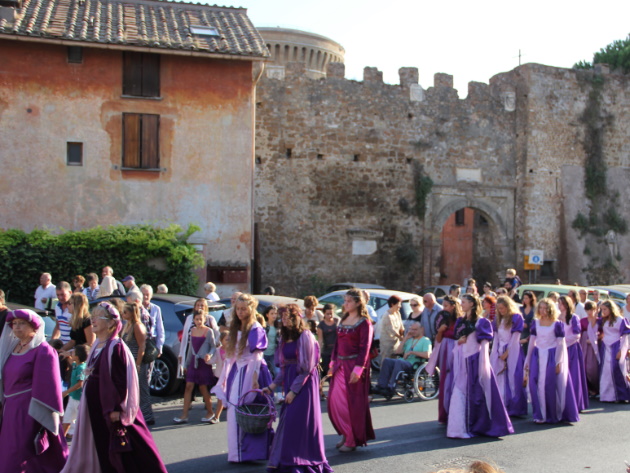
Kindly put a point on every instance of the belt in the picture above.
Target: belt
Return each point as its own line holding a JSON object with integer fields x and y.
{"x": 349, "y": 357}
{"x": 17, "y": 394}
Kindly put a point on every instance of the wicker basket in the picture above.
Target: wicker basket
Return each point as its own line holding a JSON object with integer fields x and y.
{"x": 255, "y": 418}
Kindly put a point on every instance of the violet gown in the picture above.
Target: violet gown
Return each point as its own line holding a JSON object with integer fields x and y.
{"x": 613, "y": 384}
{"x": 111, "y": 386}
{"x": 591, "y": 363}
{"x": 553, "y": 399}
{"x": 573, "y": 333}
{"x": 476, "y": 406}
{"x": 298, "y": 444}
{"x": 509, "y": 373}
{"x": 442, "y": 357}
{"x": 348, "y": 404}
{"x": 31, "y": 380}
{"x": 236, "y": 379}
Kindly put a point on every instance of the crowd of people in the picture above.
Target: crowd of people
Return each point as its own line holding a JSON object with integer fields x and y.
{"x": 90, "y": 384}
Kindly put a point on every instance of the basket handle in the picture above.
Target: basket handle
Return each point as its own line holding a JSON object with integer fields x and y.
{"x": 270, "y": 403}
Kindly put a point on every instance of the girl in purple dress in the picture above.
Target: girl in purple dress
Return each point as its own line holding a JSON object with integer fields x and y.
{"x": 589, "y": 349}
{"x": 507, "y": 358}
{"x": 244, "y": 370}
{"x": 442, "y": 354}
{"x": 612, "y": 352}
{"x": 199, "y": 371}
{"x": 476, "y": 406}
{"x": 298, "y": 445}
{"x": 30, "y": 396}
{"x": 111, "y": 435}
{"x": 547, "y": 368}
{"x": 348, "y": 404}
{"x": 572, "y": 335}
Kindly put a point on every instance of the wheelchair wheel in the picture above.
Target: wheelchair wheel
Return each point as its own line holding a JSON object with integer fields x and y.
{"x": 409, "y": 395}
{"x": 426, "y": 387}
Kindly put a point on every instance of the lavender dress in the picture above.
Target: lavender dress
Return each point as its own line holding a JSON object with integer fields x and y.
{"x": 298, "y": 445}
{"x": 573, "y": 333}
{"x": 236, "y": 379}
{"x": 442, "y": 357}
{"x": 32, "y": 387}
{"x": 476, "y": 406}
{"x": 509, "y": 373}
{"x": 553, "y": 398}
{"x": 198, "y": 371}
{"x": 613, "y": 384}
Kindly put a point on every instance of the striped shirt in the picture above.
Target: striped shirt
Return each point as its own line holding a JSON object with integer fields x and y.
{"x": 63, "y": 319}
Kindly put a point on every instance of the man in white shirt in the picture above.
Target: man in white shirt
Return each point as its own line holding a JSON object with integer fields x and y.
{"x": 62, "y": 314}
{"x": 226, "y": 317}
{"x": 45, "y": 292}
{"x": 108, "y": 271}
{"x": 429, "y": 315}
{"x": 579, "y": 306}
{"x": 155, "y": 313}
{"x": 210, "y": 290}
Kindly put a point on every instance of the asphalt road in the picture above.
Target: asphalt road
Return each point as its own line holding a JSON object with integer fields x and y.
{"x": 409, "y": 439}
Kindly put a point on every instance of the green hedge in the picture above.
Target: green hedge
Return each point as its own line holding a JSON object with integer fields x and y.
{"x": 127, "y": 249}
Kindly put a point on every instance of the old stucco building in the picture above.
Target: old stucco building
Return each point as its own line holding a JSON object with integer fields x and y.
{"x": 342, "y": 168}
{"x": 123, "y": 112}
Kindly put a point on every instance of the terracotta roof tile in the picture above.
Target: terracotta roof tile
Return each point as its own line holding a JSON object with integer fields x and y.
{"x": 155, "y": 24}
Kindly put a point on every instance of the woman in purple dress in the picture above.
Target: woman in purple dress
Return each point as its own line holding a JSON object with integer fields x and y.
{"x": 244, "y": 370}
{"x": 547, "y": 368}
{"x": 476, "y": 406}
{"x": 612, "y": 352}
{"x": 442, "y": 354}
{"x": 572, "y": 335}
{"x": 348, "y": 404}
{"x": 30, "y": 395}
{"x": 589, "y": 349}
{"x": 507, "y": 358}
{"x": 111, "y": 435}
{"x": 298, "y": 445}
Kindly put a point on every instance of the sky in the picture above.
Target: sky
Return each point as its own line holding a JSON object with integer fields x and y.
{"x": 472, "y": 41}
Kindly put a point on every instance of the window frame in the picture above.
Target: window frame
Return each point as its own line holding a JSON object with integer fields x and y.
{"x": 141, "y": 141}
{"x": 141, "y": 75}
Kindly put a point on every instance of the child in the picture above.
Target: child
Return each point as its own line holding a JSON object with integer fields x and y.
{"x": 75, "y": 391}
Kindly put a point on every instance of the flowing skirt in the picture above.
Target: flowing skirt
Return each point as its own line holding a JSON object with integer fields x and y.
{"x": 578, "y": 375}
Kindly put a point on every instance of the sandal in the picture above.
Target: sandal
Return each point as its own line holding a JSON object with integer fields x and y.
{"x": 177, "y": 420}
{"x": 208, "y": 420}
{"x": 341, "y": 442}
{"x": 346, "y": 449}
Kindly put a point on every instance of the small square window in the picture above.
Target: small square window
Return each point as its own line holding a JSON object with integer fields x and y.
{"x": 75, "y": 154}
{"x": 204, "y": 30}
{"x": 75, "y": 54}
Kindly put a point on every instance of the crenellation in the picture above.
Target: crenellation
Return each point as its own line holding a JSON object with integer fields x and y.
{"x": 441, "y": 79}
{"x": 372, "y": 75}
{"x": 408, "y": 76}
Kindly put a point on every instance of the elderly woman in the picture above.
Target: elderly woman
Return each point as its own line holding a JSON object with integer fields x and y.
{"x": 108, "y": 287}
{"x": 392, "y": 329}
{"x": 30, "y": 394}
{"x": 416, "y": 313}
{"x": 111, "y": 434}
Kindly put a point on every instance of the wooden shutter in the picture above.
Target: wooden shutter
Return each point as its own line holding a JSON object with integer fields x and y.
{"x": 150, "y": 75}
{"x": 132, "y": 73}
{"x": 150, "y": 141}
{"x": 131, "y": 140}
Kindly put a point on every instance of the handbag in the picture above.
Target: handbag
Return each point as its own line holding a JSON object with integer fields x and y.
{"x": 118, "y": 439}
{"x": 151, "y": 351}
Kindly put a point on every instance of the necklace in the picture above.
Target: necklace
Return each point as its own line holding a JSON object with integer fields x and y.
{"x": 21, "y": 346}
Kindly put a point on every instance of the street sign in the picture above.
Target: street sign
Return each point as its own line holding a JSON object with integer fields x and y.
{"x": 536, "y": 257}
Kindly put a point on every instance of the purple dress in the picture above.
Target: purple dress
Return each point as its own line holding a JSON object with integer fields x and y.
{"x": 442, "y": 357}
{"x": 476, "y": 406}
{"x": 573, "y": 332}
{"x": 202, "y": 373}
{"x": 553, "y": 398}
{"x": 591, "y": 365}
{"x": 298, "y": 445}
{"x": 348, "y": 404}
{"x": 236, "y": 379}
{"x": 509, "y": 373}
{"x": 613, "y": 385}
{"x": 105, "y": 391}
{"x": 31, "y": 380}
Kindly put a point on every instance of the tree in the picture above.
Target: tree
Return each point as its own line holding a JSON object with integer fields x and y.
{"x": 616, "y": 55}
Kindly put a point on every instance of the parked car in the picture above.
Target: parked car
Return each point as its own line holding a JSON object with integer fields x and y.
{"x": 378, "y": 301}
{"x": 349, "y": 285}
{"x": 175, "y": 308}
{"x": 619, "y": 291}
{"x": 49, "y": 321}
{"x": 543, "y": 290}
{"x": 438, "y": 291}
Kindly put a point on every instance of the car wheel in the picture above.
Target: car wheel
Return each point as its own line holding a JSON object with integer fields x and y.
{"x": 164, "y": 375}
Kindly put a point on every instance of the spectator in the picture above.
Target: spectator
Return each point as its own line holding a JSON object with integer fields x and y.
{"x": 78, "y": 359}
{"x": 371, "y": 312}
{"x": 528, "y": 312}
{"x": 416, "y": 312}
{"x": 455, "y": 291}
{"x": 130, "y": 286}
{"x": 327, "y": 336}
{"x": 45, "y": 293}
{"x": 583, "y": 295}
{"x": 269, "y": 291}
{"x": 62, "y": 313}
{"x": 578, "y": 307}
{"x": 415, "y": 349}
{"x": 487, "y": 290}
{"x": 108, "y": 271}
{"x": 80, "y": 324}
{"x": 489, "y": 307}
{"x": 92, "y": 291}
{"x": 226, "y": 317}
{"x": 209, "y": 288}
{"x": 3, "y": 311}
{"x": 108, "y": 287}
{"x": 156, "y": 326}
{"x": 310, "y": 310}
{"x": 429, "y": 315}
{"x": 136, "y": 298}
{"x": 272, "y": 329}
{"x": 162, "y": 289}
{"x": 77, "y": 283}
{"x": 392, "y": 330}
{"x": 513, "y": 280}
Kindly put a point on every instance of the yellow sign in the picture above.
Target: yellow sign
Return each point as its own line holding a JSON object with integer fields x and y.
{"x": 529, "y": 267}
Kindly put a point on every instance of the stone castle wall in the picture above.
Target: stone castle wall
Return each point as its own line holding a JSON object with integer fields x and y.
{"x": 337, "y": 161}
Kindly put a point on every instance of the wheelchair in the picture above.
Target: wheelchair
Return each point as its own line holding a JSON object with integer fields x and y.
{"x": 416, "y": 383}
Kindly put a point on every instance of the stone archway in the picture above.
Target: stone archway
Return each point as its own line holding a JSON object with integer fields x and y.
{"x": 496, "y": 207}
